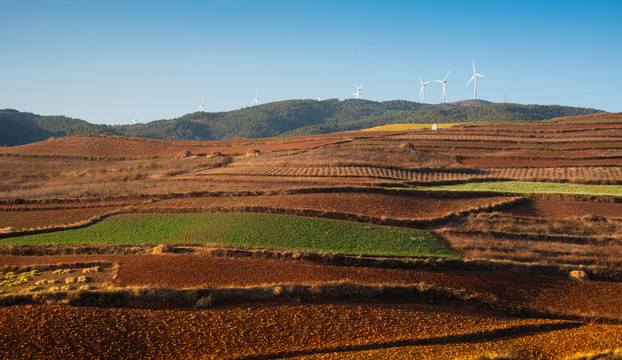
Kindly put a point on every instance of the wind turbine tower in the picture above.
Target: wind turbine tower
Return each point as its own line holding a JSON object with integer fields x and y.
{"x": 474, "y": 77}
{"x": 202, "y": 106}
{"x": 256, "y": 101}
{"x": 358, "y": 90}
{"x": 422, "y": 91}
{"x": 444, "y": 81}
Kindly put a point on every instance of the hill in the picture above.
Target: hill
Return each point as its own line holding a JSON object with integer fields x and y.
{"x": 22, "y": 127}
{"x": 282, "y": 118}
{"x": 272, "y": 119}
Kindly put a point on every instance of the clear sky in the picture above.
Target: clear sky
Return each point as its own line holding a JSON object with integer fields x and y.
{"x": 105, "y": 61}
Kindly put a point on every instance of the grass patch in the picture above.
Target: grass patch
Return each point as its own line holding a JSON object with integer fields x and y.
{"x": 523, "y": 187}
{"x": 249, "y": 229}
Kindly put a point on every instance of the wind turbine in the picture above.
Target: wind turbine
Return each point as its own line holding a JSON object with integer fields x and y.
{"x": 256, "y": 101}
{"x": 358, "y": 90}
{"x": 135, "y": 117}
{"x": 422, "y": 92}
{"x": 201, "y": 107}
{"x": 444, "y": 81}
{"x": 474, "y": 77}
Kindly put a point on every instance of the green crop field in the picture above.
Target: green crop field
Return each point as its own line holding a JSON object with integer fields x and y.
{"x": 523, "y": 187}
{"x": 249, "y": 229}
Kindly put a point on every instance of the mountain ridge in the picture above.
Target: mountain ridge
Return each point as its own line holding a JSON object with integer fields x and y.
{"x": 281, "y": 118}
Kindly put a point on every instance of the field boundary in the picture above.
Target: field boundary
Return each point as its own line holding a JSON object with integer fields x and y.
{"x": 387, "y": 189}
{"x": 334, "y": 215}
{"x": 51, "y": 267}
{"x": 53, "y": 228}
{"x": 411, "y": 223}
{"x": 574, "y": 174}
{"x": 208, "y": 297}
{"x": 566, "y": 239}
{"x": 427, "y": 263}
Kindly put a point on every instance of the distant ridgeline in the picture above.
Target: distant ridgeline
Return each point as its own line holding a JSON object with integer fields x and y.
{"x": 282, "y": 118}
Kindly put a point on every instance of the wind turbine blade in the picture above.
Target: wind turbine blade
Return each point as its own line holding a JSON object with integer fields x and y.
{"x": 360, "y": 87}
{"x": 421, "y": 81}
{"x": 421, "y": 91}
{"x": 473, "y": 77}
{"x": 447, "y": 75}
{"x": 426, "y": 83}
{"x": 439, "y": 81}
{"x": 473, "y": 66}
{"x": 480, "y": 75}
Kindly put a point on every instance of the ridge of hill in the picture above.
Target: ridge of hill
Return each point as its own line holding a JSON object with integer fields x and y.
{"x": 282, "y": 118}
{"x": 23, "y": 127}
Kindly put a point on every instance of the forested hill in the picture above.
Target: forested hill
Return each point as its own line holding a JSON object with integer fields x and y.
{"x": 283, "y": 118}
{"x": 17, "y": 128}
{"x": 271, "y": 119}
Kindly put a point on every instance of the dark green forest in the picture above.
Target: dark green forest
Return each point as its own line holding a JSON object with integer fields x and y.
{"x": 282, "y": 118}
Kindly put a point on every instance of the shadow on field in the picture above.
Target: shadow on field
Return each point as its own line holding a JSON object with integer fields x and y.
{"x": 512, "y": 331}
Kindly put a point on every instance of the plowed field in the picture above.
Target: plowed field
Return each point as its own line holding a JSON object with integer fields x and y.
{"x": 115, "y": 146}
{"x": 378, "y": 205}
{"x": 41, "y": 218}
{"x": 53, "y": 332}
{"x": 556, "y": 209}
{"x": 499, "y": 161}
{"x": 555, "y": 344}
{"x": 579, "y": 174}
{"x": 183, "y": 271}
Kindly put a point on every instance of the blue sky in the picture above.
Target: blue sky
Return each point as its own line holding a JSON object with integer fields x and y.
{"x": 106, "y": 61}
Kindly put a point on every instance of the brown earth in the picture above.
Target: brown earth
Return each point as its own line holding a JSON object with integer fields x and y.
{"x": 556, "y": 344}
{"x": 559, "y": 209}
{"x": 498, "y": 161}
{"x": 56, "y": 332}
{"x": 184, "y": 271}
{"x": 573, "y": 174}
{"x": 377, "y": 205}
{"x": 116, "y": 146}
{"x": 42, "y": 218}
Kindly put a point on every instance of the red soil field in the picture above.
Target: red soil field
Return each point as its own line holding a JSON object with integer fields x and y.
{"x": 479, "y": 136}
{"x": 56, "y": 332}
{"x": 41, "y": 218}
{"x": 558, "y": 209}
{"x": 530, "y": 153}
{"x": 578, "y": 174}
{"x": 556, "y": 344}
{"x": 115, "y": 146}
{"x": 184, "y": 271}
{"x": 377, "y": 205}
{"x": 499, "y": 161}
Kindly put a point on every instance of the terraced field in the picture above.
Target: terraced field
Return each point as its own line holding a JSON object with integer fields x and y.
{"x": 457, "y": 269}
{"x": 575, "y": 174}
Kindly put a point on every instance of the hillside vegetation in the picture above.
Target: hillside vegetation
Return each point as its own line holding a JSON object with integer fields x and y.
{"x": 283, "y": 118}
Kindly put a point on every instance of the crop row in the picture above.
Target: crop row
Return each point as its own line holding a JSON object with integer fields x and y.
{"x": 580, "y": 174}
{"x": 495, "y": 138}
